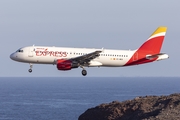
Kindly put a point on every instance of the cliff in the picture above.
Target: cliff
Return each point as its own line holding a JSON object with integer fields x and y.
{"x": 140, "y": 108}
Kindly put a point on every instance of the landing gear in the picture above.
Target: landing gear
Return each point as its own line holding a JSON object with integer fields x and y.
{"x": 84, "y": 72}
{"x": 30, "y": 70}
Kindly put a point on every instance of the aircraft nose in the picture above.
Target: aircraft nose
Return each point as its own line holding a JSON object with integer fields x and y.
{"x": 12, "y": 56}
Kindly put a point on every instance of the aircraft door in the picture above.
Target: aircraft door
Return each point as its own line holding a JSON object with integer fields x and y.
{"x": 31, "y": 50}
{"x": 135, "y": 56}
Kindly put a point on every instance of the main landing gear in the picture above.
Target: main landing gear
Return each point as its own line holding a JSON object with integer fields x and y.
{"x": 30, "y": 70}
{"x": 84, "y": 72}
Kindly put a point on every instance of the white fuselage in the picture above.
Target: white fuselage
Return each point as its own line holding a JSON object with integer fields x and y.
{"x": 49, "y": 55}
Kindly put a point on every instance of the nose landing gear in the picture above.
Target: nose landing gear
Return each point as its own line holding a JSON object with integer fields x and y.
{"x": 30, "y": 70}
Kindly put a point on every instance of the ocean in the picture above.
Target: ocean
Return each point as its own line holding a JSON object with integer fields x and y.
{"x": 65, "y": 98}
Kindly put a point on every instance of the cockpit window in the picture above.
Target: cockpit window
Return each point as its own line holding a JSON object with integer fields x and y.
{"x": 19, "y": 50}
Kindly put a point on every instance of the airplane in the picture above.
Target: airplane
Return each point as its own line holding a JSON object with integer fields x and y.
{"x": 66, "y": 58}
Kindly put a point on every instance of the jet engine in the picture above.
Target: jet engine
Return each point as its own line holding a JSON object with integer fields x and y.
{"x": 63, "y": 64}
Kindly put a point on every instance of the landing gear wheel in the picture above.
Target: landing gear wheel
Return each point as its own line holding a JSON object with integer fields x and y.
{"x": 30, "y": 70}
{"x": 84, "y": 72}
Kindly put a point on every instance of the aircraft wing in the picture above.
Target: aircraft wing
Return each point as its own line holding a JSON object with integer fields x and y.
{"x": 85, "y": 59}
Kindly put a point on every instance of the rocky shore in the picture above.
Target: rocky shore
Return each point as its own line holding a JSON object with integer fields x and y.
{"x": 140, "y": 108}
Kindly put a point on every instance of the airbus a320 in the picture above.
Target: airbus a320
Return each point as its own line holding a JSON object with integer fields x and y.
{"x": 66, "y": 58}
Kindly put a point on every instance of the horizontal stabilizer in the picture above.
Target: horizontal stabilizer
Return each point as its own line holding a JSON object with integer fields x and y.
{"x": 159, "y": 56}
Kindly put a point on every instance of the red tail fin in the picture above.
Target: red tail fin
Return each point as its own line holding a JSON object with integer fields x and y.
{"x": 151, "y": 47}
{"x": 154, "y": 43}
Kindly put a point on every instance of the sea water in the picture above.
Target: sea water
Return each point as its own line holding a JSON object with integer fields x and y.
{"x": 67, "y": 98}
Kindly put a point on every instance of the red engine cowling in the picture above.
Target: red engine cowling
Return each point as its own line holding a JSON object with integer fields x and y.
{"x": 63, "y": 64}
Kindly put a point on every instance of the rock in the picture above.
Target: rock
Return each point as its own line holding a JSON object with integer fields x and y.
{"x": 140, "y": 108}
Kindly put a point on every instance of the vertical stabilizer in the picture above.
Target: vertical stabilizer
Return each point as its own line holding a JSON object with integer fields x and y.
{"x": 154, "y": 43}
{"x": 151, "y": 47}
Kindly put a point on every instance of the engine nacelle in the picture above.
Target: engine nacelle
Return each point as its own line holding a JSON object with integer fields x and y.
{"x": 63, "y": 64}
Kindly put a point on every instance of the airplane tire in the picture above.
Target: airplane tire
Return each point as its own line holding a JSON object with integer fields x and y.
{"x": 84, "y": 72}
{"x": 30, "y": 70}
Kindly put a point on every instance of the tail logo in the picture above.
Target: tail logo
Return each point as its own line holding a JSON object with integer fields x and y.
{"x": 151, "y": 47}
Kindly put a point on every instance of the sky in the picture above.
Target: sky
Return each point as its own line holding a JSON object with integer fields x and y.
{"x": 111, "y": 24}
